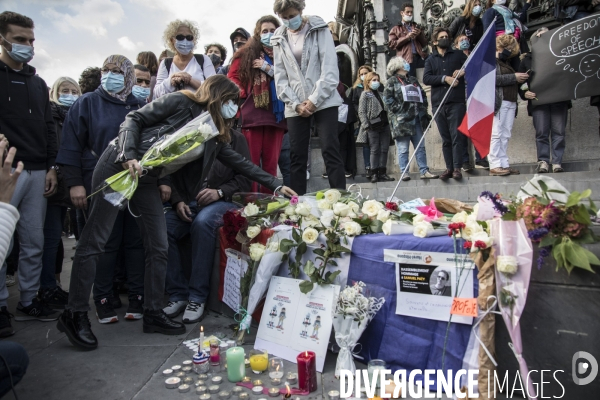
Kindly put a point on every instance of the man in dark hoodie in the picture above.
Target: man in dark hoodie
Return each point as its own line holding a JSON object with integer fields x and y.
{"x": 238, "y": 38}
{"x": 26, "y": 121}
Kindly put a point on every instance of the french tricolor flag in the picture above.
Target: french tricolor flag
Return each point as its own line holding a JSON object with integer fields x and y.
{"x": 480, "y": 74}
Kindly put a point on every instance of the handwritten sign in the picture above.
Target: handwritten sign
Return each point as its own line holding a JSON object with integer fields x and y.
{"x": 237, "y": 264}
{"x": 465, "y": 307}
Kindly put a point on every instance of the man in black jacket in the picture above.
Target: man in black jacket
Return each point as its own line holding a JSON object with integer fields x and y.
{"x": 199, "y": 213}
{"x": 26, "y": 121}
{"x": 440, "y": 70}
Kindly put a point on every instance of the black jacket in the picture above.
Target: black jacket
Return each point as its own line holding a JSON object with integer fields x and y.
{"x": 185, "y": 184}
{"x": 436, "y": 67}
{"x": 61, "y": 197}
{"x": 166, "y": 115}
{"x": 462, "y": 25}
{"x": 26, "y": 118}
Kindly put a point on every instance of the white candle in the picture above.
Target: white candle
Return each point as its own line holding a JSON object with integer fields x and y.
{"x": 276, "y": 375}
{"x": 201, "y": 342}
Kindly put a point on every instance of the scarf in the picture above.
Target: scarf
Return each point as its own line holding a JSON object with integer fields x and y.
{"x": 510, "y": 22}
{"x": 127, "y": 67}
{"x": 264, "y": 90}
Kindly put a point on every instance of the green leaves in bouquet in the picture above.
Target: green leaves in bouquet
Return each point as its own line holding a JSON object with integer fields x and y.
{"x": 286, "y": 245}
{"x": 368, "y": 225}
{"x": 570, "y": 254}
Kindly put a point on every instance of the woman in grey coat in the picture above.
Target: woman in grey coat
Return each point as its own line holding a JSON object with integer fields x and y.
{"x": 306, "y": 76}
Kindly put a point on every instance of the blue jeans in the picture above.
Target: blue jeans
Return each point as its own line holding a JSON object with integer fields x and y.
{"x": 203, "y": 231}
{"x": 17, "y": 359}
{"x": 403, "y": 146}
{"x": 53, "y": 225}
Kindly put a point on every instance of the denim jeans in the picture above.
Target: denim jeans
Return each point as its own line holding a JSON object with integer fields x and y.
{"x": 550, "y": 121}
{"x": 203, "y": 231}
{"x": 403, "y": 146}
{"x": 53, "y": 226}
{"x": 125, "y": 235}
{"x": 17, "y": 360}
{"x": 147, "y": 204}
{"x": 453, "y": 141}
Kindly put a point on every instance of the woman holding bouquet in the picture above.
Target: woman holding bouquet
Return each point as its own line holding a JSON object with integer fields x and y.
{"x": 218, "y": 95}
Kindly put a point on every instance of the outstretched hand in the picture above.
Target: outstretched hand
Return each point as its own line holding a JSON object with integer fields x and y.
{"x": 286, "y": 191}
{"x": 8, "y": 179}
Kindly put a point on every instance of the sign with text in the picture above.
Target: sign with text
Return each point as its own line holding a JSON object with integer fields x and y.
{"x": 466, "y": 307}
{"x": 566, "y": 62}
{"x": 237, "y": 264}
{"x": 428, "y": 282}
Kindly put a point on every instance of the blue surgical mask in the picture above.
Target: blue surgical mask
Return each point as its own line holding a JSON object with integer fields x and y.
{"x": 21, "y": 53}
{"x": 112, "y": 82}
{"x": 265, "y": 39}
{"x": 184, "y": 46}
{"x": 375, "y": 85}
{"x": 229, "y": 109}
{"x": 406, "y": 67}
{"x": 476, "y": 11}
{"x": 67, "y": 100}
{"x": 362, "y": 77}
{"x": 293, "y": 23}
{"x": 141, "y": 93}
{"x": 464, "y": 44}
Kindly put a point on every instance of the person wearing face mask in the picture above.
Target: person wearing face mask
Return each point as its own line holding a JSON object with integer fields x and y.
{"x": 65, "y": 91}
{"x": 217, "y": 54}
{"x": 374, "y": 122}
{"x": 507, "y": 21}
{"x": 469, "y": 24}
{"x": 408, "y": 39}
{"x": 148, "y": 59}
{"x": 219, "y": 96}
{"x": 262, "y": 113}
{"x": 505, "y": 107}
{"x": 141, "y": 89}
{"x": 408, "y": 115}
{"x": 307, "y": 77}
{"x": 441, "y": 69}
{"x": 355, "y": 93}
{"x": 239, "y": 37}
{"x": 92, "y": 122}
{"x": 26, "y": 121}
{"x": 185, "y": 70}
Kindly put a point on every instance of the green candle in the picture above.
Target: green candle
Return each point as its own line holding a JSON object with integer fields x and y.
{"x": 236, "y": 367}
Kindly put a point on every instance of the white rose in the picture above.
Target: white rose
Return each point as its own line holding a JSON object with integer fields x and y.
{"x": 273, "y": 246}
{"x": 250, "y": 210}
{"x": 483, "y": 237}
{"x": 310, "y": 235}
{"x": 294, "y": 218}
{"x": 460, "y": 217}
{"x": 253, "y": 231}
{"x": 471, "y": 228}
{"x": 507, "y": 264}
{"x": 352, "y": 228}
{"x": 257, "y": 250}
{"x": 472, "y": 218}
{"x": 353, "y": 207}
{"x": 371, "y": 207}
{"x": 418, "y": 218}
{"x": 290, "y": 210}
{"x": 422, "y": 228}
{"x": 352, "y": 215}
{"x": 303, "y": 209}
{"x": 332, "y": 196}
{"x": 351, "y": 310}
{"x": 387, "y": 226}
{"x": 341, "y": 209}
{"x": 310, "y": 222}
{"x": 383, "y": 215}
{"x": 323, "y": 204}
{"x": 326, "y": 218}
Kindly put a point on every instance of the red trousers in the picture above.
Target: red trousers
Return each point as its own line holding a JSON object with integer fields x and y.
{"x": 265, "y": 145}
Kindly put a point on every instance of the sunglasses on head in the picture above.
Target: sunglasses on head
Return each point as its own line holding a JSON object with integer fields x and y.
{"x": 187, "y": 37}
{"x": 140, "y": 80}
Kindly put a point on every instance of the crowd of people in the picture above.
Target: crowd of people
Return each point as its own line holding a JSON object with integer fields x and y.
{"x": 280, "y": 86}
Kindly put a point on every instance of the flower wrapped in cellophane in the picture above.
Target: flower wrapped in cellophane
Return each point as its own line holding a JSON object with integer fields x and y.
{"x": 170, "y": 153}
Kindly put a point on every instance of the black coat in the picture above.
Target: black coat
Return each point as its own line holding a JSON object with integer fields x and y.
{"x": 436, "y": 67}
{"x": 462, "y": 25}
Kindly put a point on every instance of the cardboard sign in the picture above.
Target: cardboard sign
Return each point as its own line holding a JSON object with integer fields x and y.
{"x": 465, "y": 307}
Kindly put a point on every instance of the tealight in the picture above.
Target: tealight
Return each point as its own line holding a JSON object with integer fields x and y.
{"x": 246, "y": 380}
{"x": 202, "y": 377}
{"x": 237, "y": 390}
{"x": 257, "y": 382}
{"x": 216, "y": 380}
{"x": 224, "y": 395}
{"x": 273, "y": 392}
{"x": 291, "y": 378}
{"x": 213, "y": 389}
{"x": 257, "y": 389}
{"x": 184, "y": 388}
{"x": 205, "y": 396}
{"x": 187, "y": 369}
{"x": 187, "y": 363}
{"x": 201, "y": 390}
{"x": 176, "y": 367}
{"x": 200, "y": 383}
{"x": 188, "y": 380}
{"x": 180, "y": 374}
{"x": 167, "y": 372}
{"x": 334, "y": 395}
{"x": 244, "y": 396}
{"x": 172, "y": 382}
{"x": 276, "y": 382}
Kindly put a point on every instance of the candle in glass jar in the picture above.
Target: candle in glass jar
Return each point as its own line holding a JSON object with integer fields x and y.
{"x": 214, "y": 352}
{"x": 307, "y": 371}
{"x": 236, "y": 368}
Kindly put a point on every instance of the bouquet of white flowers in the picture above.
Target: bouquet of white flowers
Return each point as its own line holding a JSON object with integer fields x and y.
{"x": 353, "y": 312}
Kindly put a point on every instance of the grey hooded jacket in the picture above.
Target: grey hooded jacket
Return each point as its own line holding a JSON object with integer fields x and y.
{"x": 318, "y": 76}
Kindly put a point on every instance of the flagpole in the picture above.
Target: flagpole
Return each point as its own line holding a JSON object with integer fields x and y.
{"x": 492, "y": 25}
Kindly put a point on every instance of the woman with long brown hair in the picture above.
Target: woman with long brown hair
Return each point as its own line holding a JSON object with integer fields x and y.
{"x": 469, "y": 23}
{"x": 217, "y": 95}
{"x": 262, "y": 113}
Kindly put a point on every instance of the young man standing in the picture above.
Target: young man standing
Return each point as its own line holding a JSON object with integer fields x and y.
{"x": 440, "y": 70}
{"x": 409, "y": 40}
{"x": 26, "y": 121}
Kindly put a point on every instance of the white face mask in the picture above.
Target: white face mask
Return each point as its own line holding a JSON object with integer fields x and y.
{"x": 407, "y": 18}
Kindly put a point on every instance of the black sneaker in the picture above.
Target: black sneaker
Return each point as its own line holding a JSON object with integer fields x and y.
{"x": 55, "y": 298}
{"x": 105, "y": 312}
{"x": 35, "y": 311}
{"x": 157, "y": 321}
{"x": 77, "y": 327}
{"x": 135, "y": 310}
{"x": 6, "y": 328}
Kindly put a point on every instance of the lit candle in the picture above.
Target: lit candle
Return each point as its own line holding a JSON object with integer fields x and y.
{"x": 291, "y": 378}
{"x": 180, "y": 374}
{"x": 202, "y": 377}
{"x": 257, "y": 389}
{"x": 246, "y": 380}
{"x": 184, "y": 388}
{"x": 236, "y": 391}
{"x": 188, "y": 380}
{"x": 259, "y": 361}
{"x": 334, "y": 395}
{"x": 172, "y": 382}
{"x": 273, "y": 392}
{"x": 187, "y": 362}
{"x": 244, "y": 396}
{"x": 277, "y": 374}
{"x": 216, "y": 380}
{"x": 307, "y": 371}
{"x": 213, "y": 389}
{"x": 257, "y": 382}
{"x": 205, "y": 396}
{"x": 224, "y": 395}
{"x": 168, "y": 372}
{"x": 236, "y": 369}
{"x": 200, "y": 383}
{"x": 288, "y": 393}
{"x": 201, "y": 342}
{"x": 187, "y": 369}
{"x": 176, "y": 368}
{"x": 201, "y": 390}
{"x": 276, "y": 382}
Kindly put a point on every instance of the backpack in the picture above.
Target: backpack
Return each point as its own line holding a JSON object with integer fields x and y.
{"x": 199, "y": 59}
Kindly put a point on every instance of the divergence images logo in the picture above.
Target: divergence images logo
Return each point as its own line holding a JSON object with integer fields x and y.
{"x": 581, "y": 367}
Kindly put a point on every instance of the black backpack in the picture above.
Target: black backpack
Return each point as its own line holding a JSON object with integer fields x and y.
{"x": 199, "y": 59}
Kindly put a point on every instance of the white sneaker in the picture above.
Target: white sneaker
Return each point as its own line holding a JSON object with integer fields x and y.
{"x": 194, "y": 312}
{"x": 174, "y": 308}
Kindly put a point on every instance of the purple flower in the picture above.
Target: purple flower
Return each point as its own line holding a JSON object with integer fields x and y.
{"x": 543, "y": 253}
{"x": 549, "y": 216}
{"x": 537, "y": 234}
{"x": 496, "y": 200}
